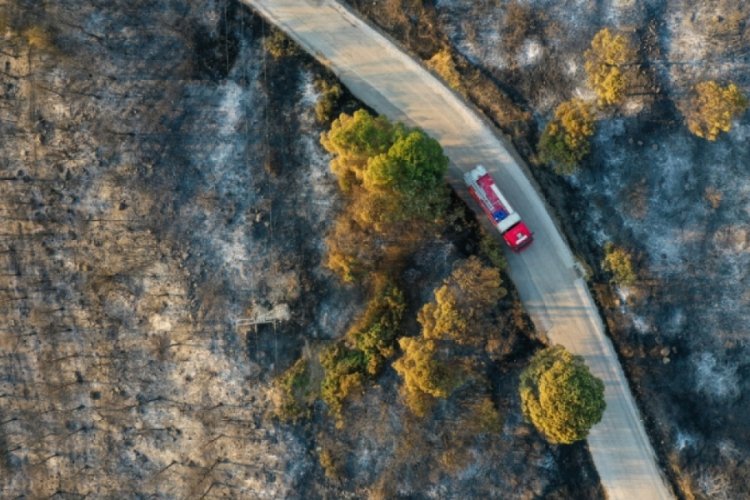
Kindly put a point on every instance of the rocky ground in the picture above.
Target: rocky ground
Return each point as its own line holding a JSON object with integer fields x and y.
{"x": 678, "y": 202}
{"x": 164, "y": 202}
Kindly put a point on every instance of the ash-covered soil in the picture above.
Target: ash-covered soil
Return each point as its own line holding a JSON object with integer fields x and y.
{"x": 141, "y": 237}
{"x": 678, "y": 202}
{"x": 164, "y": 204}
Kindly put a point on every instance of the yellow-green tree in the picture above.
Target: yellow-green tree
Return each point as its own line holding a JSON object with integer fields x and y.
{"x": 560, "y": 396}
{"x": 565, "y": 140}
{"x": 398, "y": 172}
{"x": 353, "y": 140}
{"x": 619, "y": 262}
{"x": 344, "y": 374}
{"x": 711, "y": 109}
{"x": 375, "y": 334}
{"x": 464, "y": 306}
{"x": 295, "y": 396}
{"x": 369, "y": 342}
{"x": 608, "y": 65}
{"x": 396, "y": 193}
{"x": 425, "y": 376}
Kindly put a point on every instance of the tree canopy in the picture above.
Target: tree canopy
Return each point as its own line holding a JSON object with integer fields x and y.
{"x": 619, "y": 262}
{"x": 565, "y": 140}
{"x": 394, "y": 180}
{"x": 607, "y": 65}
{"x": 464, "y": 305}
{"x": 375, "y": 334}
{"x": 711, "y": 108}
{"x": 425, "y": 375}
{"x": 366, "y": 347}
{"x": 560, "y": 396}
{"x": 460, "y": 327}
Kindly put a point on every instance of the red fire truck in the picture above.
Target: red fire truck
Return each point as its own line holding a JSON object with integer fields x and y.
{"x": 483, "y": 189}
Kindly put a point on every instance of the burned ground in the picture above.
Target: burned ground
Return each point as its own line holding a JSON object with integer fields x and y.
{"x": 142, "y": 236}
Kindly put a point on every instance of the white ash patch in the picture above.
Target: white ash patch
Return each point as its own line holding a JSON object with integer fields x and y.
{"x": 732, "y": 239}
{"x": 160, "y": 323}
{"x": 233, "y": 249}
{"x": 714, "y": 379}
{"x": 320, "y": 184}
{"x": 641, "y": 324}
{"x": 623, "y": 293}
{"x": 571, "y": 66}
{"x": 309, "y": 96}
{"x": 684, "y": 440}
{"x": 530, "y": 53}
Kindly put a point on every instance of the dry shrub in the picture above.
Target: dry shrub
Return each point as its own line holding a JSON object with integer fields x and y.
{"x": 38, "y": 38}
{"x": 519, "y": 23}
{"x": 619, "y": 262}
{"x": 713, "y": 196}
{"x": 444, "y": 65}
{"x": 711, "y": 108}
{"x": 330, "y": 463}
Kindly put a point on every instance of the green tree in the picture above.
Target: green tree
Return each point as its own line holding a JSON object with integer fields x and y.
{"x": 619, "y": 262}
{"x": 560, "y": 396}
{"x": 375, "y": 334}
{"x": 330, "y": 94}
{"x": 407, "y": 180}
{"x": 278, "y": 45}
{"x": 295, "y": 392}
{"x": 344, "y": 374}
{"x": 566, "y": 138}
{"x": 464, "y": 307}
{"x": 425, "y": 375}
{"x": 608, "y": 65}
{"x": 711, "y": 109}
{"x": 400, "y": 169}
{"x": 353, "y": 140}
{"x": 394, "y": 179}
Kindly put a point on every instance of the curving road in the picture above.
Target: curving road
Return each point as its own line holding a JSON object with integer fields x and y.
{"x": 546, "y": 275}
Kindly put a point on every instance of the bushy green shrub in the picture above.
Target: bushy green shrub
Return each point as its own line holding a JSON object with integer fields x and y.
{"x": 565, "y": 140}
{"x": 619, "y": 262}
{"x": 344, "y": 374}
{"x": 560, "y": 396}
{"x": 278, "y": 45}
{"x": 711, "y": 109}
{"x": 295, "y": 392}
{"x": 375, "y": 335}
{"x": 330, "y": 94}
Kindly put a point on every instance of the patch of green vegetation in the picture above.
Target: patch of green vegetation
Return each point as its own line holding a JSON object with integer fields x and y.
{"x": 279, "y": 46}
{"x": 425, "y": 376}
{"x": 328, "y": 101}
{"x": 394, "y": 180}
{"x": 296, "y": 392}
{"x": 619, "y": 262}
{"x": 459, "y": 328}
{"x": 375, "y": 335}
{"x": 368, "y": 344}
{"x": 463, "y": 308}
{"x": 490, "y": 249}
{"x": 566, "y": 138}
{"x": 345, "y": 370}
{"x": 560, "y": 396}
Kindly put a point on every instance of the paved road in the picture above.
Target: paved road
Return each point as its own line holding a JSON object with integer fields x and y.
{"x": 554, "y": 294}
